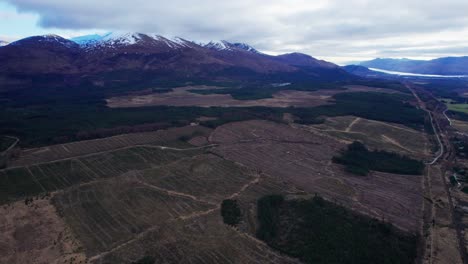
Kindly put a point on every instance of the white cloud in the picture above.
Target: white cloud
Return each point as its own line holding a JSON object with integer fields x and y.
{"x": 333, "y": 29}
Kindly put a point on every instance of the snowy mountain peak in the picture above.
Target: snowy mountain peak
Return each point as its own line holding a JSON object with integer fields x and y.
{"x": 3, "y": 43}
{"x": 228, "y": 46}
{"x": 218, "y": 45}
{"x": 109, "y": 39}
{"x": 183, "y": 42}
{"x": 114, "y": 40}
{"x": 122, "y": 38}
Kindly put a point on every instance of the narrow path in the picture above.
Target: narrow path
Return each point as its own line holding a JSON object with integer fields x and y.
{"x": 174, "y": 193}
{"x": 448, "y": 119}
{"x": 394, "y": 142}
{"x": 422, "y": 105}
{"x": 350, "y": 126}
{"x": 11, "y": 146}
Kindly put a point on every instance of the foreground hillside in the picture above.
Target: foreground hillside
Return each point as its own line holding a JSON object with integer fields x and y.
{"x": 151, "y": 195}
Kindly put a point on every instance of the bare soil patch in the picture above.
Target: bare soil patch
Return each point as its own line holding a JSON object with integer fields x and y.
{"x": 35, "y": 234}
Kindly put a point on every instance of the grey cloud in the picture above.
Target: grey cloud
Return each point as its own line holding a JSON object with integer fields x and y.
{"x": 321, "y": 28}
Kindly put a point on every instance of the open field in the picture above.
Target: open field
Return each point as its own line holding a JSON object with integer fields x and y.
{"x": 304, "y": 159}
{"x": 183, "y": 97}
{"x": 74, "y": 149}
{"x": 377, "y": 135}
{"x": 457, "y": 107}
{"x": 459, "y": 125}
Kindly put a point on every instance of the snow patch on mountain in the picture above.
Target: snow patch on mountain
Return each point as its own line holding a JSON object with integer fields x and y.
{"x": 183, "y": 42}
{"x": 122, "y": 38}
{"x": 218, "y": 45}
{"x": 3, "y": 43}
{"x": 113, "y": 40}
{"x": 228, "y": 46}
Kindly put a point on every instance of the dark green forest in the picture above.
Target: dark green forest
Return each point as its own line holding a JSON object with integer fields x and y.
{"x": 317, "y": 231}
{"x": 51, "y": 115}
{"x": 358, "y": 160}
{"x": 230, "y": 212}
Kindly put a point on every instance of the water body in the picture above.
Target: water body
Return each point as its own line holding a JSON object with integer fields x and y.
{"x": 418, "y": 74}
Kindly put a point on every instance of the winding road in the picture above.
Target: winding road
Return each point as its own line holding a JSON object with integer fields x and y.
{"x": 441, "y": 164}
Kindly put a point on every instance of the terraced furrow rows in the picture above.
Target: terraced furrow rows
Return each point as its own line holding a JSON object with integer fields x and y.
{"x": 114, "y": 211}
{"x": 22, "y": 182}
{"x": 80, "y": 148}
{"x": 197, "y": 176}
{"x": 200, "y": 240}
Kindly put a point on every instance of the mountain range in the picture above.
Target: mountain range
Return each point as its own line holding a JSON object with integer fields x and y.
{"x": 135, "y": 56}
{"x": 440, "y": 66}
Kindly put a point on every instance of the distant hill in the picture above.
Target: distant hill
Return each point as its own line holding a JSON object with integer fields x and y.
{"x": 362, "y": 71}
{"x": 441, "y": 66}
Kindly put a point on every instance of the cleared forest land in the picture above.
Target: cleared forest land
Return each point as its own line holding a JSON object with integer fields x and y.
{"x": 304, "y": 159}
{"x": 80, "y": 148}
{"x": 119, "y": 205}
{"x": 377, "y": 135}
{"x": 150, "y": 194}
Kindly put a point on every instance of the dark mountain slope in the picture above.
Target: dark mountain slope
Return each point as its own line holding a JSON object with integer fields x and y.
{"x": 146, "y": 59}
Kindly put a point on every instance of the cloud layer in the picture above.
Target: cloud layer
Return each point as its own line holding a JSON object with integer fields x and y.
{"x": 335, "y": 29}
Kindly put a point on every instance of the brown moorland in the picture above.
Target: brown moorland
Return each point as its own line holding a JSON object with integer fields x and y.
{"x": 183, "y": 97}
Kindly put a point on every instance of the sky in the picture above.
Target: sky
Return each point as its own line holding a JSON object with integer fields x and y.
{"x": 340, "y": 31}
